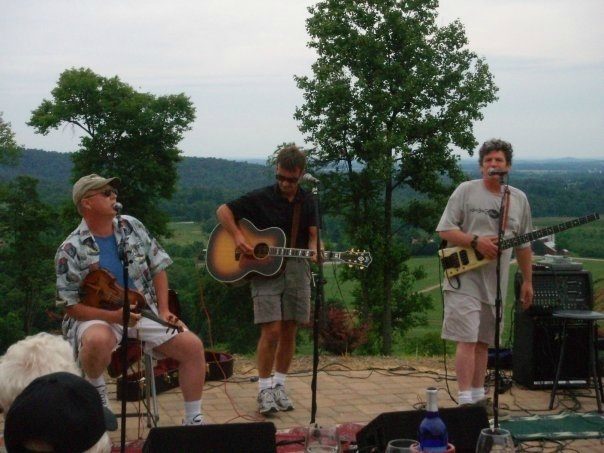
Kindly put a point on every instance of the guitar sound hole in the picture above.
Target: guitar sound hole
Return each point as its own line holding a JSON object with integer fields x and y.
{"x": 261, "y": 251}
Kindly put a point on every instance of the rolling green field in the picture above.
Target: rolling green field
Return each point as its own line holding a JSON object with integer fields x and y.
{"x": 187, "y": 233}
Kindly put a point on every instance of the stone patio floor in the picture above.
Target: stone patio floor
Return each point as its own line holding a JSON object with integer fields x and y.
{"x": 349, "y": 396}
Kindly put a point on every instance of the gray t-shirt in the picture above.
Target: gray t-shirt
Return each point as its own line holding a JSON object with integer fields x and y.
{"x": 474, "y": 209}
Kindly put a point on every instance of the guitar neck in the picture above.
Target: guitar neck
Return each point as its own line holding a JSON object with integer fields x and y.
{"x": 300, "y": 253}
{"x": 512, "y": 242}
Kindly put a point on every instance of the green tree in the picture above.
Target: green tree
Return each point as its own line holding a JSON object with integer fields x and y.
{"x": 391, "y": 96}
{"x": 27, "y": 283}
{"x": 9, "y": 150}
{"x": 125, "y": 133}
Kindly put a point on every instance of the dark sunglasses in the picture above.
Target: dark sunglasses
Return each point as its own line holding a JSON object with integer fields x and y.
{"x": 282, "y": 178}
{"x": 106, "y": 193}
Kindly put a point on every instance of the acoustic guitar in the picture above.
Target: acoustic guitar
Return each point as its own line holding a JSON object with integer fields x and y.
{"x": 101, "y": 290}
{"x": 228, "y": 265}
{"x": 457, "y": 260}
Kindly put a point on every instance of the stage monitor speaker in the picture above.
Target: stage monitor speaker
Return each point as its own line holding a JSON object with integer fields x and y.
{"x": 537, "y": 334}
{"x": 463, "y": 425}
{"x": 226, "y": 438}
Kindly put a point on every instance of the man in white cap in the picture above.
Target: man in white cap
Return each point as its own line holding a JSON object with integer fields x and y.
{"x": 95, "y": 332}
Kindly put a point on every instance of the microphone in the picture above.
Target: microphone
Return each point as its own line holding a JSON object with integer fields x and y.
{"x": 307, "y": 177}
{"x": 117, "y": 207}
{"x": 497, "y": 171}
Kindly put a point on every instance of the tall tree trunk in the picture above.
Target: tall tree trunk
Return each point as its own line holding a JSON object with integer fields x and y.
{"x": 387, "y": 274}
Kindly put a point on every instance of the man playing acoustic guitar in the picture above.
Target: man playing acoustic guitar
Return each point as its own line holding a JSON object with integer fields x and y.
{"x": 471, "y": 220}
{"x": 283, "y": 301}
{"x": 95, "y": 332}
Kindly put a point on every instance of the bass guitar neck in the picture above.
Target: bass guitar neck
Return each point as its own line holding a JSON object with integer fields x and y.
{"x": 457, "y": 260}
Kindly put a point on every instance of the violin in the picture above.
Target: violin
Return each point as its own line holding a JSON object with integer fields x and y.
{"x": 101, "y": 290}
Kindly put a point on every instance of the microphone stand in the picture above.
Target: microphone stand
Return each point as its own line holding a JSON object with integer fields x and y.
{"x": 498, "y": 299}
{"x": 319, "y": 297}
{"x": 123, "y": 256}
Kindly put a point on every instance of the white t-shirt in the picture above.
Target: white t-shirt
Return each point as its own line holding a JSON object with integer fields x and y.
{"x": 474, "y": 209}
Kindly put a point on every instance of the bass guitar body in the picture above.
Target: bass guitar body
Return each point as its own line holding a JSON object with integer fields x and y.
{"x": 457, "y": 260}
{"x": 226, "y": 264}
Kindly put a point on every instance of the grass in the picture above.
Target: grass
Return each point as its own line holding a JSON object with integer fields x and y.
{"x": 185, "y": 233}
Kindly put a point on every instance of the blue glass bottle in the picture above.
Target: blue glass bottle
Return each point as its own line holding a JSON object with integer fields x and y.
{"x": 433, "y": 437}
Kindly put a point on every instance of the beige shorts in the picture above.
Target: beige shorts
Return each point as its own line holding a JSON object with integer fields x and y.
{"x": 285, "y": 297}
{"x": 468, "y": 320}
{"x": 146, "y": 330}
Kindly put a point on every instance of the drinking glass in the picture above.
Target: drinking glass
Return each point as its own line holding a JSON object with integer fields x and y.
{"x": 495, "y": 440}
{"x": 321, "y": 439}
{"x": 402, "y": 446}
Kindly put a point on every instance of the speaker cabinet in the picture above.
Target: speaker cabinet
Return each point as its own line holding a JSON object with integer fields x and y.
{"x": 463, "y": 425}
{"x": 257, "y": 437}
{"x": 537, "y": 335}
{"x": 537, "y": 341}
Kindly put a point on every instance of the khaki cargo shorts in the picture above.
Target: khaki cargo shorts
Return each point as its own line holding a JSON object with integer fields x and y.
{"x": 468, "y": 319}
{"x": 285, "y": 297}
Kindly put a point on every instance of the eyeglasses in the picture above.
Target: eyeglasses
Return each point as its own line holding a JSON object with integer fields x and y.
{"x": 282, "y": 178}
{"x": 106, "y": 193}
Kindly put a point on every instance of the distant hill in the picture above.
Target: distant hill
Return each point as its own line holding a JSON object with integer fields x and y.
{"x": 555, "y": 187}
{"x": 561, "y": 165}
{"x": 53, "y": 170}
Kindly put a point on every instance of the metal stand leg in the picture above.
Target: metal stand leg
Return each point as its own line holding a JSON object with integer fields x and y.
{"x": 596, "y": 349}
{"x": 150, "y": 393}
{"x": 559, "y": 368}
{"x": 593, "y": 367}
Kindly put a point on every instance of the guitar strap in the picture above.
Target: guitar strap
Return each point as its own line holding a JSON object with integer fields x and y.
{"x": 295, "y": 224}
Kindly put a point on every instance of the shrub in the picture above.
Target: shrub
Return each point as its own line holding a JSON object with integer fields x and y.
{"x": 342, "y": 332}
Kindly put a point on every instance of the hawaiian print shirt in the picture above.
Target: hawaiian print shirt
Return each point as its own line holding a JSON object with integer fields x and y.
{"x": 79, "y": 254}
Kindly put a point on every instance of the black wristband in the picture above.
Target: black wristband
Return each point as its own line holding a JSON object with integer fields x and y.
{"x": 474, "y": 242}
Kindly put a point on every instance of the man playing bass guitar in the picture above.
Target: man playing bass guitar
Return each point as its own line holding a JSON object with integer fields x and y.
{"x": 471, "y": 219}
{"x": 95, "y": 332}
{"x": 283, "y": 301}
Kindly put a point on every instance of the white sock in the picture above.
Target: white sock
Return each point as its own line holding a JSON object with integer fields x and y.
{"x": 265, "y": 383}
{"x": 477, "y": 394}
{"x": 279, "y": 379}
{"x": 192, "y": 410}
{"x": 97, "y": 382}
{"x": 464, "y": 397}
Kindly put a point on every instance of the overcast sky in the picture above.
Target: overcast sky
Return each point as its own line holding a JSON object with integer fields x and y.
{"x": 236, "y": 60}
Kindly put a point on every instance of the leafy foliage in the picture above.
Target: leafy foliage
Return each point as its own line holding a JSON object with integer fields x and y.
{"x": 126, "y": 133}
{"x": 9, "y": 150}
{"x": 26, "y": 229}
{"x": 392, "y": 93}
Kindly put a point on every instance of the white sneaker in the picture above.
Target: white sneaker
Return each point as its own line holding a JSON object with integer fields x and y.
{"x": 195, "y": 421}
{"x": 102, "y": 389}
{"x": 110, "y": 418}
{"x": 281, "y": 399}
{"x": 266, "y": 402}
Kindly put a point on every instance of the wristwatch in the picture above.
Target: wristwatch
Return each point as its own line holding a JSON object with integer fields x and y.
{"x": 474, "y": 242}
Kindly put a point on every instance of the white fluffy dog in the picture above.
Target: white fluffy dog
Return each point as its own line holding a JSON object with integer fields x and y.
{"x": 30, "y": 358}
